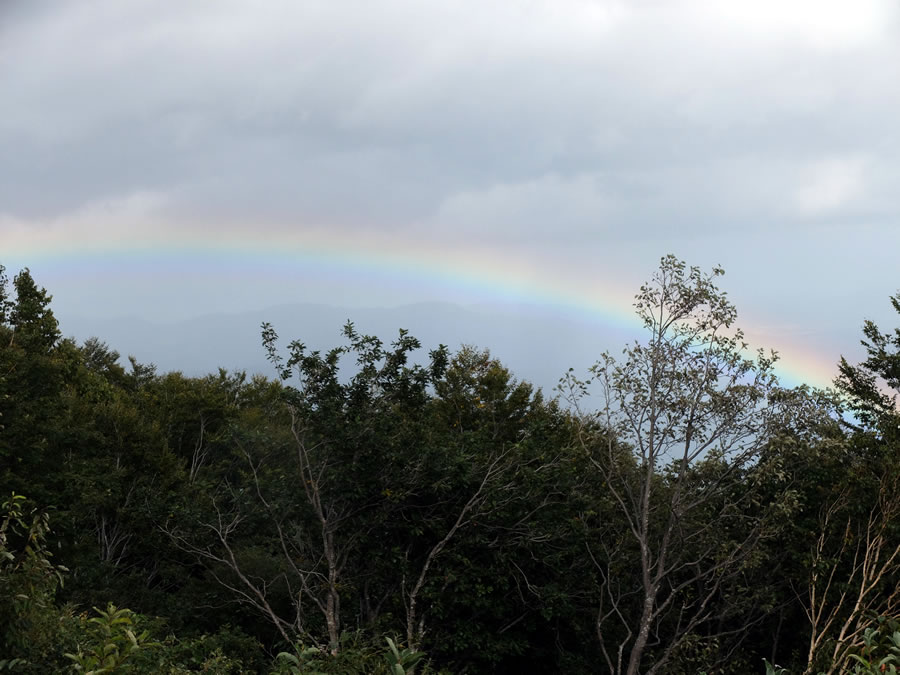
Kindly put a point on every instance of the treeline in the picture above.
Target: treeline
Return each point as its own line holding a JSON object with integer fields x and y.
{"x": 369, "y": 511}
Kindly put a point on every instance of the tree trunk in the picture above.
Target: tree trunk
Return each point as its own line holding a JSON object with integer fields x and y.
{"x": 640, "y": 642}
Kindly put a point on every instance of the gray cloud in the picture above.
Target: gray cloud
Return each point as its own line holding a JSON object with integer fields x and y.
{"x": 395, "y": 112}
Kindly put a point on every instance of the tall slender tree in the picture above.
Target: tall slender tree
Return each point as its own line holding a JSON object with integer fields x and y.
{"x": 695, "y": 411}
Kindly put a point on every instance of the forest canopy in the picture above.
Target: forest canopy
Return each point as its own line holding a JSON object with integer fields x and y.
{"x": 673, "y": 510}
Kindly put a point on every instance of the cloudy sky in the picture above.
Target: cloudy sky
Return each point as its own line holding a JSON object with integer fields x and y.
{"x": 168, "y": 159}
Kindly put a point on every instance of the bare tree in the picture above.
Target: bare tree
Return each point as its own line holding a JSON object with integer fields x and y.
{"x": 113, "y": 537}
{"x": 681, "y": 421}
{"x": 200, "y": 451}
{"x": 497, "y": 477}
{"x": 853, "y": 561}
{"x": 218, "y": 551}
{"x": 484, "y": 410}
{"x": 310, "y": 492}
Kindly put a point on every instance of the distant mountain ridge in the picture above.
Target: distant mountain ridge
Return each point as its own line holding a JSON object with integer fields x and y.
{"x": 536, "y": 347}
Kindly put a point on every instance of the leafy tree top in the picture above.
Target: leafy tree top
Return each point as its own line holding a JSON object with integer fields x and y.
{"x": 34, "y": 326}
{"x": 872, "y": 386}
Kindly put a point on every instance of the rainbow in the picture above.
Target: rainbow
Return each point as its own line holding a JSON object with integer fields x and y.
{"x": 450, "y": 270}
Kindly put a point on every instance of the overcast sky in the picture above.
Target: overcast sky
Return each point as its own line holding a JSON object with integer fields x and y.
{"x": 587, "y": 136}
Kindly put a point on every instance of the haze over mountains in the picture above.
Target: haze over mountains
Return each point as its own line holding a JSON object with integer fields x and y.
{"x": 535, "y": 345}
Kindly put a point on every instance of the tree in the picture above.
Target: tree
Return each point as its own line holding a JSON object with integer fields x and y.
{"x": 473, "y": 492}
{"x": 28, "y": 583}
{"x": 384, "y": 496}
{"x": 317, "y": 489}
{"x": 5, "y": 302}
{"x": 31, "y": 318}
{"x": 872, "y": 386}
{"x": 854, "y": 571}
{"x": 854, "y": 568}
{"x": 676, "y": 442}
{"x": 33, "y": 363}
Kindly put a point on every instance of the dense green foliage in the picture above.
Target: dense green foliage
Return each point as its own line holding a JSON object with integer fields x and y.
{"x": 373, "y": 511}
